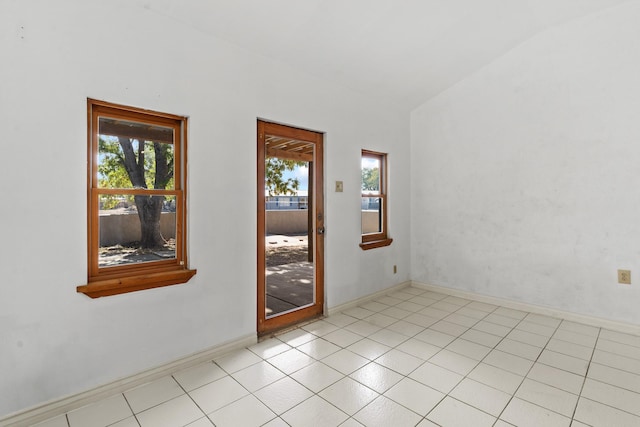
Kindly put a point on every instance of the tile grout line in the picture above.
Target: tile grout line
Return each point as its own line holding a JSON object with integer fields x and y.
{"x": 524, "y": 377}
{"x": 463, "y": 376}
{"x": 612, "y": 385}
{"x": 313, "y": 393}
{"x": 135, "y": 416}
{"x": 445, "y": 395}
{"x": 586, "y": 374}
{"x": 192, "y": 399}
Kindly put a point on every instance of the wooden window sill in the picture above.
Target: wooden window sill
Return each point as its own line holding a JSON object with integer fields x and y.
{"x": 375, "y": 244}
{"x": 103, "y": 288}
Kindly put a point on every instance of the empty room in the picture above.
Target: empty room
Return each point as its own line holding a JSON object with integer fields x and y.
{"x": 320, "y": 213}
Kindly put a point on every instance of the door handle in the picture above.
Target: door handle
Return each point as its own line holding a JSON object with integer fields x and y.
{"x": 321, "y": 230}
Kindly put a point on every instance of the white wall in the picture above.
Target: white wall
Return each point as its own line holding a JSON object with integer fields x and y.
{"x": 56, "y": 54}
{"x": 526, "y": 175}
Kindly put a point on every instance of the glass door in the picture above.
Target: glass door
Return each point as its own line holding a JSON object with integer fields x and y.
{"x": 290, "y": 226}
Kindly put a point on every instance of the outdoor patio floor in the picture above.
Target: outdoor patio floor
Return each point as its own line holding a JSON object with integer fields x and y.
{"x": 289, "y": 286}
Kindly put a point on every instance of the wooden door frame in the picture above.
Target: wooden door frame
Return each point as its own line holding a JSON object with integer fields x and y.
{"x": 316, "y": 188}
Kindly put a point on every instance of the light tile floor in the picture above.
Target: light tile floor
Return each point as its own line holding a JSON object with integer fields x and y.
{"x": 410, "y": 358}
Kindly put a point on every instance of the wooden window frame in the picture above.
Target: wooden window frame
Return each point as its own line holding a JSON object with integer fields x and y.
{"x": 104, "y": 281}
{"x": 381, "y": 239}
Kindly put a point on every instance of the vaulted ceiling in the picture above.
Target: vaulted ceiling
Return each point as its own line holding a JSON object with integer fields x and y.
{"x": 403, "y": 51}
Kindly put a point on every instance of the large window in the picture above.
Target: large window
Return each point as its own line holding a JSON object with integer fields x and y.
{"x": 374, "y": 200}
{"x": 136, "y": 200}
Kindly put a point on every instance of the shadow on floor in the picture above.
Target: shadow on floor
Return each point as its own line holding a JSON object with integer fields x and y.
{"x": 289, "y": 286}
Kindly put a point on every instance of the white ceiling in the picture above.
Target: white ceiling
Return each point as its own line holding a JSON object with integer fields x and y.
{"x": 404, "y": 51}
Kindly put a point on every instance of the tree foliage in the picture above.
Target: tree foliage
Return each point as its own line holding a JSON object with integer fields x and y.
{"x": 275, "y": 184}
{"x": 370, "y": 179}
{"x": 126, "y": 163}
{"x": 111, "y": 171}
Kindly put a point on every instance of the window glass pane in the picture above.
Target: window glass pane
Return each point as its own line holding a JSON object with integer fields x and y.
{"x": 134, "y": 155}
{"x": 370, "y": 175}
{"x": 372, "y": 215}
{"x": 121, "y": 219}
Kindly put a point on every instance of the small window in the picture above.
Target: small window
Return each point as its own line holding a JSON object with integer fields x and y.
{"x": 374, "y": 200}
{"x": 136, "y": 200}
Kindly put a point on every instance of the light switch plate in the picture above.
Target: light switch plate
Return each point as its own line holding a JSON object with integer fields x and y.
{"x": 339, "y": 187}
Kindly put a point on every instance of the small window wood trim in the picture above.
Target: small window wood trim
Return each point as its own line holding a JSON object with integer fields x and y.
{"x": 142, "y": 130}
{"x": 375, "y": 244}
{"x": 378, "y": 238}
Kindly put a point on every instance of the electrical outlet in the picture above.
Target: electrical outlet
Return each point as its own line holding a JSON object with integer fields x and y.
{"x": 339, "y": 187}
{"x": 395, "y": 269}
{"x": 624, "y": 277}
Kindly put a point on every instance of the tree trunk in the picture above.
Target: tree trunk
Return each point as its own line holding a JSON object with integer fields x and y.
{"x": 149, "y": 207}
{"x": 149, "y": 211}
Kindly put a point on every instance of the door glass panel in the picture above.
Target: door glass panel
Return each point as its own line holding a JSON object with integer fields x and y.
{"x": 289, "y": 263}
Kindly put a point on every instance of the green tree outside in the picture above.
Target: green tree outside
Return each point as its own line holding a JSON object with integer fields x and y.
{"x": 370, "y": 179}
{"x": 274, "y": 182}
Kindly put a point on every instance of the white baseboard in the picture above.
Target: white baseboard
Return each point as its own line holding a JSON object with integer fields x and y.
{"x": 537, "y": 309}
{"x": 347, "y": 305}
{"x": 36, "y": 414}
